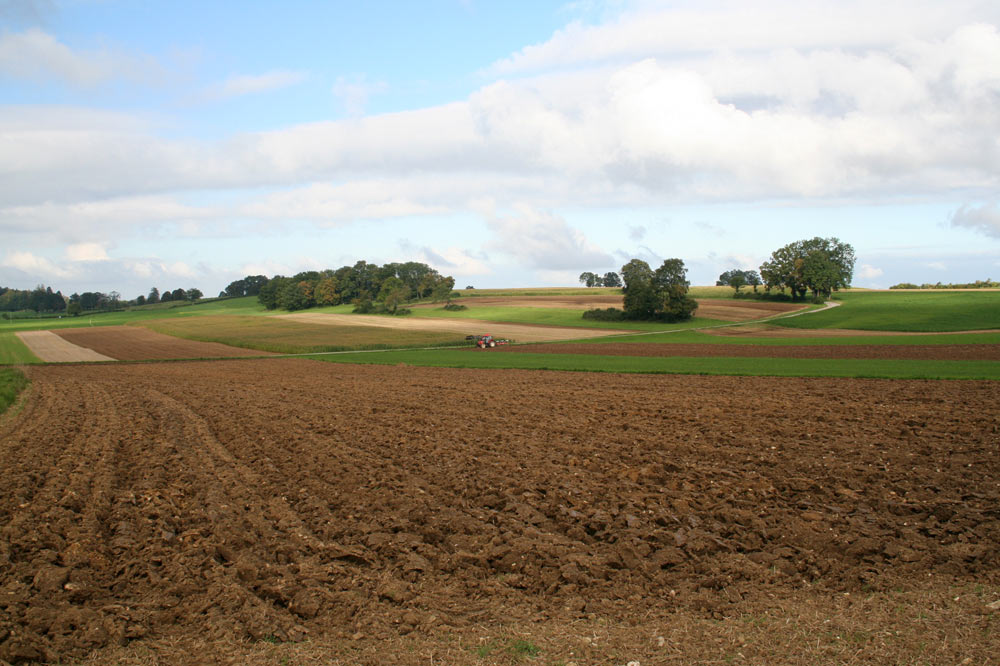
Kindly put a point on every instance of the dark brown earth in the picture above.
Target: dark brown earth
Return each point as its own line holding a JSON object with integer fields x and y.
{"x": 984, "y": 352}
{"x": 278, "y": 500}
{"x": 134, "y": 343}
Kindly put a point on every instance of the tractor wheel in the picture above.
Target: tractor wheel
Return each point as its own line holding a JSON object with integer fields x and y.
{"x": 493, "y": 343}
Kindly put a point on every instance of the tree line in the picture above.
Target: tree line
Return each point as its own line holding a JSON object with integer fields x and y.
{"x": 817, "y": 265}
{"x": 40, "y": 299}
{"x": 369, "y": 287}
{"x": 609, "y": 279}
{"x": 651, "y": 295}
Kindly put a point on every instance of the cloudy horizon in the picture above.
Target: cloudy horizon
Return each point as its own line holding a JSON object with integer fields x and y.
{"x": 174, "y": 145}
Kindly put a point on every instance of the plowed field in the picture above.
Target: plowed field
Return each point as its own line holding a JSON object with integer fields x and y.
{"x": 132, "y": 343}
{"x": 984, "y": 352}
{"x": 279, "y": 500}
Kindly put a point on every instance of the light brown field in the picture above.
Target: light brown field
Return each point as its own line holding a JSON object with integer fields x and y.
{"x": 519, "y": 332}
{"x": 51, "y": 348}
{"x": 127, "y": 343}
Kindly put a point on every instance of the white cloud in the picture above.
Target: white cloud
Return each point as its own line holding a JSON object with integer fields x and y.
{"x": 251, "y": 84}
{"x": 455, "y": 260}
{"x": 354, "y": 93}
{"x": 35, "y": 266}
{"x": 543, "y": 240}
{"x": 86, "y": 252}
{"x": 867, "y": 272}
{"x": 36, "y": 55}
{"x": 984, "y": 218}
{"x": 936, "y": 265}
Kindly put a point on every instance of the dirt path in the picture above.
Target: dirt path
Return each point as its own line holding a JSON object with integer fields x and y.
{"x": 49, "y": 347}
{"x": 517, "y": 332}
{"x": 252, "y": 502}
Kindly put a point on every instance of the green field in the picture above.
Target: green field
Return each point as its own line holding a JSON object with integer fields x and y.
{"x": 894, "y": 369}
{"x": 12, "y": 382}
{"x": 694, "y": 292}
{"x": 13, "y": 351}
{"x": 293, "y": 337}
{"x": 705, "y": 338}
{"x": 907, "y": 311}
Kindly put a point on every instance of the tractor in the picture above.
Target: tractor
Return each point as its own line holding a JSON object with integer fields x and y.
{"x": 487, "y": 341}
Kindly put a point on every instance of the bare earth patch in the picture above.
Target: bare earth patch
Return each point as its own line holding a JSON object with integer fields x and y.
{"x": 202, "y": 512}
{"x": 519, "y": 332}
{"x": 984, "y": 352}
{"x": 131, "y": 343}
{"x": 771, "y": 331}
{"x": 51, "y": 348}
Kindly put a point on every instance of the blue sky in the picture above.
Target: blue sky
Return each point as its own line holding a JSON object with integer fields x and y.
{"x": 506, "y": 144}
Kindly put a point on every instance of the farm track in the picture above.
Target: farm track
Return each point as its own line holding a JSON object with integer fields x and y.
{"x": 979, "y": 352}
{"x": 291, "y": 499}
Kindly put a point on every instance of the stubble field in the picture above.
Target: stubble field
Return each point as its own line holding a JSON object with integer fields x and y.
{"x": 292, "y": 510}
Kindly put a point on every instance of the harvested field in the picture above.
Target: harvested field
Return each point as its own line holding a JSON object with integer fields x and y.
{"x": 132, "y": 343}
{"x": 51, "y": 348}
{"x": 206, "y": 504}
{"x": 519, "y": 332}
{"x": 980, "y": 352}
{"x": 712, "y": 308}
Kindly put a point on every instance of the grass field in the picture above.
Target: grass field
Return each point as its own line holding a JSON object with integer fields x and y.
{"x": 13, "y": 351}
{"x": 12, "y": 382}
{"x": 694, "y": 292}
{"x": 888, "y": 369}
{"x": 907, "y": 311}
{"x": 291, "y": 337}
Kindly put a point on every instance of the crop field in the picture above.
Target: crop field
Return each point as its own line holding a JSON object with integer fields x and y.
{"x": 288, "y": 511}
{"x": 908, "y": 311}
{"x": 289, "y": 336}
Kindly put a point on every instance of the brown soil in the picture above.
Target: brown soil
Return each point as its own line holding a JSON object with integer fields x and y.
{"x": 771, "y": 331}
{"x": 518, "y": 332}
{"x": 51, "y": 348}
{"x": 282, "y": 500}
{"x": 132, "y": 343}
{"x": 936, "y": 352}
{"x": 713, "y": 308}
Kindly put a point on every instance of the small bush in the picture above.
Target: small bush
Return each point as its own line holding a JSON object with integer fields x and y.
{"x": 454, "y": 307}
{"x": 607, "y": 314}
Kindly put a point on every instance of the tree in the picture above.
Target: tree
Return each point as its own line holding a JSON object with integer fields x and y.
{"x": 611, "y": 279}
{"x": 193, "y": 294}
{"x": 154, "y": 296}
{"x": 393, "y": 293}
{"x": 820, "y": 265}
{"x": 734, "y": 278}
{"x": 590, "y": 279}
{"x": 326, "y": 292}
{"x": 753, "y": 279}
{"x": 658, "y": 295}
{"x": 74, "y": 309}
{"x": 179, "y": 294}
{"x": 140, "y": 300}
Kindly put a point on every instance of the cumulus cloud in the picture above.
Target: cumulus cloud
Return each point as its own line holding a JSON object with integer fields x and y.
{"x": 867, "y": 272}
{"x": 542, "y": 240}
{"x": 455, "y": 260}
{"x": 36, "y": 55}
{"x": 86, "y": 252}
{"x": 984, "y": 218}
{"x": 34, "y": 266}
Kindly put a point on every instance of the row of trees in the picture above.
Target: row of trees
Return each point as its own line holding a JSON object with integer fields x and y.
{"x": 39, "y": 299}
{"x": 817, "y": 265}
{"x": 179, "y": 294}
{"x": 660, "y": 295}
{"x": 370, "y": 287}
{"x": 610, "y": 279}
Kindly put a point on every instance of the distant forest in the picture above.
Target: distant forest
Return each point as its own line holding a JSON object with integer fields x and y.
{"x": 978, "y": 284}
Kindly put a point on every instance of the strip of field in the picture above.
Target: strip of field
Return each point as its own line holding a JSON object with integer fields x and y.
{"x": 50, "y": 348}
{"x": 987, "y": 352}
{"x": 133, "y": 343}
{"x": 215, "y": 504}
{"x": 13, "y": 351}
{"x": 300, "y": 335}
{"x": 760, "y": 367}
{"x": 773, "y": 331}
{"x": 519, "y": 332}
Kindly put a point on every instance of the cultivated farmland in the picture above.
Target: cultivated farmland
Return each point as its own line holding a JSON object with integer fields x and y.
{"x": 221, "y": 508}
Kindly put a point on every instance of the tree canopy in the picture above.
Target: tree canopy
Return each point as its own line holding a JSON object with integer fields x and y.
{"x": 658, "y": 295}
{"x": 819, "y": 265}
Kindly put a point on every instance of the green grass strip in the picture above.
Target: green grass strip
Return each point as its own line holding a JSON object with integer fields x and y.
{"x": 12, "y": 382}
{"x": 13, "y": 351}
{"x": 703, "y": 338}
{"x": 766, "y": 367}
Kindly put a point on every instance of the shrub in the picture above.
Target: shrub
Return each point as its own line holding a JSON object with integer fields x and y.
{"x": 607, "y": 314}
{"x": 454, "y": 307}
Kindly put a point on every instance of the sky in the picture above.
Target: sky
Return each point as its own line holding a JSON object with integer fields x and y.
{"x": 514, "y": 144}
